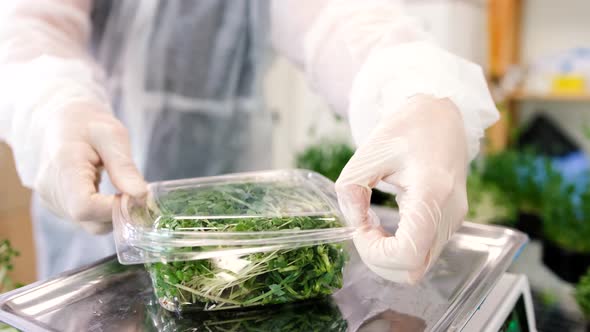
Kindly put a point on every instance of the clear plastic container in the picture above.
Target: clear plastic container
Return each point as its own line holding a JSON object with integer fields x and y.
{"x": 236, "y": 240}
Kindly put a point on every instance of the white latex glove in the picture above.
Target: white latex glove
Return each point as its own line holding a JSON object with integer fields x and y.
{"x": 422, "y": 150}
{"x": 368, "y": 59}
{"x": 55, "y": 113}
{"x": 77, "y": 142}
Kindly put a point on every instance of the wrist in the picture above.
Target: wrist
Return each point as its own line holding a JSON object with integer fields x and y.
{"x": 393, "y": 76}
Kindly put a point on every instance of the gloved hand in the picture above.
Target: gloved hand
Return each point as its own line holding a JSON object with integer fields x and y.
{"x": 422, "y": 151}
{"x": 76, "y": 142}
{"x": 54, "y": 111}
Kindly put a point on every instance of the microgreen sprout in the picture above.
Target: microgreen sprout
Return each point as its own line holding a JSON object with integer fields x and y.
{"x": 7, "y": 253}
{"x": 261, "y": 278}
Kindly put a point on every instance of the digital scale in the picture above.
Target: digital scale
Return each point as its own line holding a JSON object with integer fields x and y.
{"x": 467, "y": 289}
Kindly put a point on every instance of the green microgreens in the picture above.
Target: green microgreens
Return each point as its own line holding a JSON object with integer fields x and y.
{"x": 274, "y": 277}
{"x": 7, "y": 253}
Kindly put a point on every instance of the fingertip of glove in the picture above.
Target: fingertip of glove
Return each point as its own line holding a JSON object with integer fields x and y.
{"x": 132, "y": 185}
{"x": 136, "y": 188}
{"x": 354, "y": 202}
{"x": 348, "y": 191}
{"x": 90, "y": 208}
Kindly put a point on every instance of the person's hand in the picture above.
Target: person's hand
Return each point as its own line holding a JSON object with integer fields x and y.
{"x": 77, "y": 142}
{"x": 422, "y": 151}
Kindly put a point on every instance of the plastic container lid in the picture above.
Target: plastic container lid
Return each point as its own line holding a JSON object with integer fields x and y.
{"x": 227, "y": 215}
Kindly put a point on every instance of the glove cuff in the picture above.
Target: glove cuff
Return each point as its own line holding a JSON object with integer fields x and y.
{"x": 41, "y": 88}
{"x": 392, "y": 75}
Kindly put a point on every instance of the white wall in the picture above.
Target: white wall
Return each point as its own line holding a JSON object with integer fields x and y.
{"x": 460, "y": 26}
{"x": 549, "y": 27}
{"x": 300, "y": 117}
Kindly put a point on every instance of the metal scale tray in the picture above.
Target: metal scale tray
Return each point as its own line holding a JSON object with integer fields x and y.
{"x": 107, "y": 296}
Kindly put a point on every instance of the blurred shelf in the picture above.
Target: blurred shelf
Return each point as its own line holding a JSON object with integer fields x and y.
{"x": 526, "y": 96}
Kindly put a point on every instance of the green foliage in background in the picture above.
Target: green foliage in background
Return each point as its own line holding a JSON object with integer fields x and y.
{"x": 520, "y": 185}
{"x": 583, "y": 294}
{"x": 564, "y": 223}
{"x": 525, "y": 182}
{"x": 273, "y": 277}
{"x": 507, "y": 179}
{"x": 483, "y": 195}
{"x": 513, "y": 173}
{"x": 7, "y": 253}
{"x": 548, "y": 298}
{"x": 329, "y": 158}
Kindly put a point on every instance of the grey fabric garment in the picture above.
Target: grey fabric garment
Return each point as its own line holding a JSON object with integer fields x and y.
{"x": 198, "y": 109}
{"x": 220, "y": 65}
{"x": 184, "y": 78}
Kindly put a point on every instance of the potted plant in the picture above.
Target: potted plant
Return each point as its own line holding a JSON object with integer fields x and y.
{"x": 487, "y": 202}
{"x": 326, "y": 157}
{"x": 329, "y": 158}
{"x": 566, "y": 230}
{"x": 511, "y": 182}
{"x": 529, "y": 189}
{"x": 519, "y": 176}
{"x": 7, "y": 253}
{"x": 582, "y": 295}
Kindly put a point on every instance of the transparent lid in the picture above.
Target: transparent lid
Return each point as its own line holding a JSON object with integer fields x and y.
{"x": 227, "y": 215}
